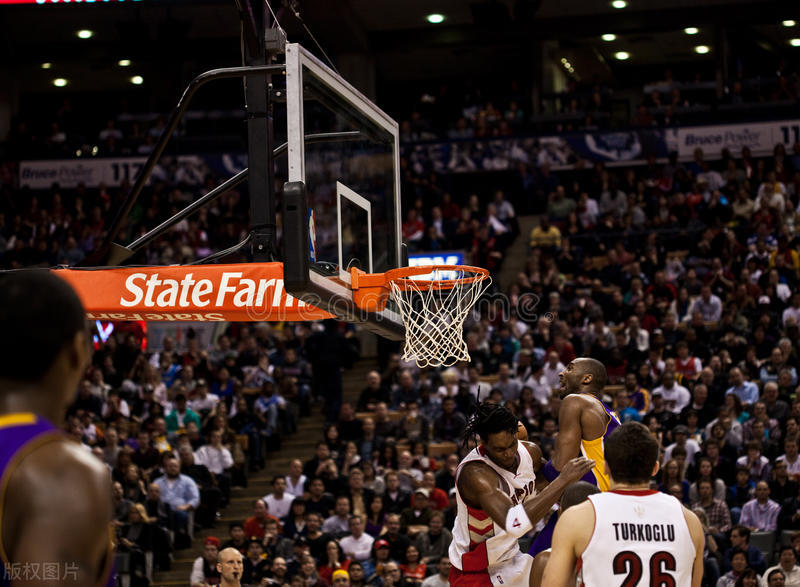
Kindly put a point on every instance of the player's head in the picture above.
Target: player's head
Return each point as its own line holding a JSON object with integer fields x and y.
{"x": 631, "y": 454}
{"x": 497, "y": 428}
{"x": 229, "y": 565}
{"x": 583, "y": 375}
{"x": 45, "y": 337}
{"x": 577, "y": 493}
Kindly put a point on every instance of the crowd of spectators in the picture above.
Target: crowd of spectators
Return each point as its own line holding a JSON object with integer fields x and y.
{"x": 679, "y": 277}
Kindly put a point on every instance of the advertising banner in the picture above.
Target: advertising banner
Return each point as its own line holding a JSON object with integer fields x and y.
{"x": 248, "y": 292}
{"x": 759, "y": 137}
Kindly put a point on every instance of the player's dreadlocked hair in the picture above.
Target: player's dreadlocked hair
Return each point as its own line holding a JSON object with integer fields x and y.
{"x": 489, "y": 418}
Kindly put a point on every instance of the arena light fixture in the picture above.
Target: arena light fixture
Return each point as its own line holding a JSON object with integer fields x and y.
{"x": 619, "y": 4}
{"x": 622, "y": 55}
{"x": 702, "y": 49}
{"x": 608, "y": 37}
{"x": 789, "y": 23}
{"x": 691, "y": 30}
{"x": 47, "y": 65}
{"x": 137, "y": 80}
{"x": 794, "y": 42}
{"x": 435, "y": 18}
{"x": 124, "y": 62}
{"x": 85, "y": 34}
{"x": 60, "y": 82}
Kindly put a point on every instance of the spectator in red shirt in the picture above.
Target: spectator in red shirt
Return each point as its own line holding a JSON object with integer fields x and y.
{"x": 256, "y": 524}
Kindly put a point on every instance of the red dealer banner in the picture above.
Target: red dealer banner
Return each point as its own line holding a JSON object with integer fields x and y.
{"x": 247, "y": 292}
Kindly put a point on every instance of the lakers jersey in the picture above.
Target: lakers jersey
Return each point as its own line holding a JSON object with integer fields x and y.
{"x": 639, "y": 538}
{"x": 479, "y": 543}
{"x": 20, "y": 435}
{"x": 593, "y": 449}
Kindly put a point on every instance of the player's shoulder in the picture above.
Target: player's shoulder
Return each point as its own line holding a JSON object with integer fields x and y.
{"x": 62, "y": 462}
{"x": 533, "y": 450}
{"x": 578, "y": 520}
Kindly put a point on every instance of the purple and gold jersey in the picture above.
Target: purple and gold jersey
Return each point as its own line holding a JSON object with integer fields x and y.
{"x": 20, "y": 435}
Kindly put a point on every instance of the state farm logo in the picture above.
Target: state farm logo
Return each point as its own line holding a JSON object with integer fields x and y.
{"x": 229, "y": 291}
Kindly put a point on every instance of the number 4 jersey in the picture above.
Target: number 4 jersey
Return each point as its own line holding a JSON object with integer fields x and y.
{"x": 640, "y": 538}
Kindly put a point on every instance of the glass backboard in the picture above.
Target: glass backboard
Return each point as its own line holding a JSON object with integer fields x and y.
{"x": 351, "y": 178}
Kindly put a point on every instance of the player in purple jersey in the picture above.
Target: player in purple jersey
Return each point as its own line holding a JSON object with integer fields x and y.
{"x": 55, "y": 497}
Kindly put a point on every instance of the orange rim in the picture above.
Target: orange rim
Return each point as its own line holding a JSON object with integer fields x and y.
{"x": 401, "y": 276}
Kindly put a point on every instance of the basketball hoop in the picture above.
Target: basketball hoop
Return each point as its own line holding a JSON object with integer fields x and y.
{"x": 433, "y": 301}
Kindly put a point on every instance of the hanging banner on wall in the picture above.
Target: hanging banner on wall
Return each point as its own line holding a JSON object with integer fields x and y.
{"x": 759, "y": 137}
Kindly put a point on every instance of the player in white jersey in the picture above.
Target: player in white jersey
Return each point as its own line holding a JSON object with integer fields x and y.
{"x": 630, "y": 535}
{"x": 498, "y": 502}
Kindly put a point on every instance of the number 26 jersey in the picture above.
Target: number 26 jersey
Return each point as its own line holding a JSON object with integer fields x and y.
{"x": 640, "y": 539}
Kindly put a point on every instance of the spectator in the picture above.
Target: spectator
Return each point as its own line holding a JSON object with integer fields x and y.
{"x": 740, "y": 540}
{"x": 719, "y": 517}
{"x": 433, "y": 544}
{"x": 219, "y": 461}
{"x": 279, "y": 502}
{"x": 238, "y": 539}
{"x": 254, "y": 565}
{"x": 255, "y": 525}
{"x": 317, "y": 540}
{"x": 204, "y": 568}
{"x": 357, "y": 546}
{"x": 450, "y": 425}
{"x": 787, "y": 564}
{"x": 338, "y": 524}
{"x": 318, "y": 500}
{"x": 746, "y": 391}
{"x": 211, "y": 496}
{"x": 760, "y": 514}
{"x": 179, "y": 491}
{"x": 441, "y": 578}
{"x": 334, "y": 562}
{"x": 296, "y": 480}
{"x": 756, "y": 463}
{"x": 675, "y": 396}
{"x": 398, "y": 542}
{"x": 180, "y": 417}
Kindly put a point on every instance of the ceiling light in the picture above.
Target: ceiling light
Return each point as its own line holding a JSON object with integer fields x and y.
{"x": 794, "y": 42}
{"x": 85, "y": 34}
{"x": 609, "y": 37}
{"x": 124, "y": 62}
{"x": 435, "y": 18}
{"x": 788, "y": 23}
{"x": 619, "y": 4}
{"x": 691, "y": 30}
{"x": 47, "y": 65}
{"x": 702, "y": 49}
{"x": 60, "y": 82}
{"x": 137, "y": 80}
{"x": 622, "y": 55}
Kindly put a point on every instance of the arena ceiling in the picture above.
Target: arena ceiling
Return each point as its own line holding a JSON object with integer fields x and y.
{"x": 185, "y": 37}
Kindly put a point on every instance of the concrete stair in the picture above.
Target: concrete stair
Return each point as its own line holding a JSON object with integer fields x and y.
{"x": 517, "y": 254}
{"x": 298, "y": 446}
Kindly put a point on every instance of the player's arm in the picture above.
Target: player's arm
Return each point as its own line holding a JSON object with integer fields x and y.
{"x": 698, "y": 539}
{"x": 537, "y": 568}
{"x": 477, "y": 484}
{"x": 570, "y": 538}
{"x": 59, "y": 513}
{"x": 568, "y": 441}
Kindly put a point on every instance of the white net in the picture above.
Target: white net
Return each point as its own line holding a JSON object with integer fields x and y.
{"x": 434, "y": 315}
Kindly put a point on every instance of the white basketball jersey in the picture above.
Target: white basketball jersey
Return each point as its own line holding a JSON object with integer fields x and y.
{"x": 640, "y": 538}
{"x": 479, "y": 543}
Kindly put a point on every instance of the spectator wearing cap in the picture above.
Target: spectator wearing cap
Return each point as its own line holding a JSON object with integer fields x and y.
{"x": 676, "y": 396}
{"x": 204, "y": 568}
{"x": 357, "y": 545}
{"x": 255, "y": 565}
{"x": 760, "y": 514}
{"x": 203, "y": 402}
{"x": 415, "y": 519}
{"x": 339, "y": 523}
{"x": 179, "y": 417}
{"x": 681, "y": 436}
{"x": 340, "y": 578}
{"x": 279, "y": 501}
{"x": 255, "y": 525}
{"x": 238, "y": 539}
{"x": 374, "y": 567}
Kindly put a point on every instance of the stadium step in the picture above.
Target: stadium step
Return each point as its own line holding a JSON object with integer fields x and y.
{"x": 298, "y": 446}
